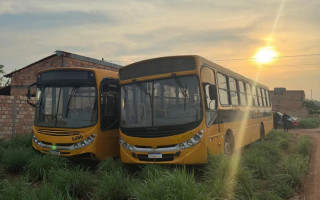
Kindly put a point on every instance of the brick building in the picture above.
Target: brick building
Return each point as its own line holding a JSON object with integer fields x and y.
{"x": 289, "y": 101}
{"x": 16, "y": 115}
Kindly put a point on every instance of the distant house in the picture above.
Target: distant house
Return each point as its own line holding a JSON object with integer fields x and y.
{"x": 289, "y": 101}
{"x": 20, "y": 79}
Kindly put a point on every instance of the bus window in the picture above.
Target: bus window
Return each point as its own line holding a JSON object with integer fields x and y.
{"x": 264, "y": 103}
{"x": 233, "y": 91}
{"x": 268, "y": 98}
{"x": 223, "y": 89}
{"x": 254, "y": 96}
{"x": 260, "y": 99}
{"x": 242, "y": 94}
{"x": 249, "y": 94}
{"x": 210, "y": 94}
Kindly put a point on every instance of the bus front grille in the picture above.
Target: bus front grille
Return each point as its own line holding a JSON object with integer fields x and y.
{"x": 58, "y": 132}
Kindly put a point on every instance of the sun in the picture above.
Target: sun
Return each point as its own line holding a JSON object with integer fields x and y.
{"x": 265, "y": 55}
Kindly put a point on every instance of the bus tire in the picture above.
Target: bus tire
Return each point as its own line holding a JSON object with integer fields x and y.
{"x": 262, "y": 132}
{"x": 229, "y": 144}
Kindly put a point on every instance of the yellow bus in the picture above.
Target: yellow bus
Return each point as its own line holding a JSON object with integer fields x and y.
{"x": 180, "y": 109}
{"x": 77, "y": 112}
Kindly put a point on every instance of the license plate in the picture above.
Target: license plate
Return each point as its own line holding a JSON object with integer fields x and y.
{"x": 154, "y": 155}
{"x": 56, "y": 153}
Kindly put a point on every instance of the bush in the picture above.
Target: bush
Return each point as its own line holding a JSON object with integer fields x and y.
{"x": 76, "y": 182}
{"x": 309, "y": 123}
{"x": 40, "y": 165}
{"x": 114, "y": 185}
{"x": 20, "y": 140}
{"x": 304, "y": 146}
{"x": 176, "y": 184}
{"x": 15, "y": 159}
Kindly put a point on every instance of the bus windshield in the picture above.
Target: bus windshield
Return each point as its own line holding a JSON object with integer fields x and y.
{"x": 72, "y": 106}
{"x": 158, "y": 103}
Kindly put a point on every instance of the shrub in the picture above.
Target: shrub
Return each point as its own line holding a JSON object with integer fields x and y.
{"x": 15, "y": 159}
{"x": 76, "y": 182}
{"x": 114, "y": 185}
{"x": 40, "y": 165}
{"x": 309, "y": 123}
{"x": 176, "y": 184}
{"x": 304, "y": 146}
{"x": 20, "y": 140}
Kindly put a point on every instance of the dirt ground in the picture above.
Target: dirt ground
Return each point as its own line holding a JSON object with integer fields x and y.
{"x": 311, "y": 183}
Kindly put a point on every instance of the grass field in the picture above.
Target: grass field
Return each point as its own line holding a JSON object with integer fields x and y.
{"x": 268, "y": 169}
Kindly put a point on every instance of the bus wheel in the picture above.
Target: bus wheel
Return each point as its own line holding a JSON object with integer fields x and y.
{"x": 228, "y": 144}
{"x": 262, "y": 132}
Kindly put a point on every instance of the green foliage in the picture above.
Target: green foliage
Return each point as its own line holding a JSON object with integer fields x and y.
{"x": 282, "y": 185}
{"x": 14, "y": 159}
{"x": 256, "y": 160}
{"x": 296, "y": 166}
{"x": 114, "y": 185}
{"x": 21, "y": 140}
{"x": 13, "y": 190}
{"x": 176, "y": 184}
{"x": 227, "y": 179}
{"x": 304, "y": 146}
{"x": 309, "y": 123}
{"x": 266, "y": 195}
{"x": 150, "y": 171}
{"x": 74, "y": 182}
{"x": 40, "y": 165}
{"x": 109, "y": 165}
{"x": 312, "y": 104}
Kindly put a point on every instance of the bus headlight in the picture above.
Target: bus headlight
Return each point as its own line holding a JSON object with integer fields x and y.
{"x": 126, "y": 145}
{"x": 84, "y": 142}
{"x": 191, "y": 142}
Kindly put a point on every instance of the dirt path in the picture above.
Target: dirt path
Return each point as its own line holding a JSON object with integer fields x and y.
{"x": 311, "y": 183}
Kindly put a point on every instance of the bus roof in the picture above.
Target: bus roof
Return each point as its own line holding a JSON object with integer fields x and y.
{"x": 142, "y": 67}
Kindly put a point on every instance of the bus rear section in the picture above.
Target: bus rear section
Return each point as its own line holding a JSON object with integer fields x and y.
{"x": 76, "y": 113}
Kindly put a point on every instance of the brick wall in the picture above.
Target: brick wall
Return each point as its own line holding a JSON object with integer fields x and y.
{"x": 289, "y": 101}
{"x": 16, "y": 116}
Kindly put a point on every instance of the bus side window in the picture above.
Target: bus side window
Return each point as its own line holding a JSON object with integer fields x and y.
{"x": 109, "y": 104}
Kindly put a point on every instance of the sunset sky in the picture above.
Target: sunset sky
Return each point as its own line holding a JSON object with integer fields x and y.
{"x": 226, "y": 32}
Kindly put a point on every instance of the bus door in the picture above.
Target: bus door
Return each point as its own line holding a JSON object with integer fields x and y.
{"x": 211, "y": 113}
{"x": 110, "y": 114}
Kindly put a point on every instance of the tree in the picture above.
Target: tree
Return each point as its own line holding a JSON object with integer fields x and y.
{"x": 312, "y": 104}
{"x": 3, "y": 81}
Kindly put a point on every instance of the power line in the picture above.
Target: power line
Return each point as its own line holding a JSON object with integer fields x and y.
{"x": 294, "y": 56}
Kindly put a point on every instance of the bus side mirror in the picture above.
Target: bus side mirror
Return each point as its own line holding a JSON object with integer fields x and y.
{"x": 32, "y": 102}
{"x": 212, "y": 92}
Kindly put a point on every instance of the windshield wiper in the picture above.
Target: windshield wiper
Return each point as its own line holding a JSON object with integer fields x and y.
{"x": 183, "y": 91}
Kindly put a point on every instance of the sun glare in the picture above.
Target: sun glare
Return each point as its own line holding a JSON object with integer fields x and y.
{"x": 265, "y": 55}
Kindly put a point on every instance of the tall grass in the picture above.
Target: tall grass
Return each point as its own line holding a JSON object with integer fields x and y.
{"x": 296, "y": 166}
{"x": 40, "y": 165}
{"x": 176, "y": 184}
{"x": 74, "y": 182}
{"x": 14, "y": 159}
{"x": 304, "y": 146}
{"x": 12, "y": 190}
{"x": 220, "y": 184}
{"x": 282, "y": 185}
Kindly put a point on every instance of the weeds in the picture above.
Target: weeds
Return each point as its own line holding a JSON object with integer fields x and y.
{"x": 40, "y": 165}
{"x": 295, "y": 166}
{"x": 309, "y": 123}
{"x": 304, "y": 146}
{"x": 76, "y": 182}
{"x": 282, "y": 185}
{"x": 15, "y": 159}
